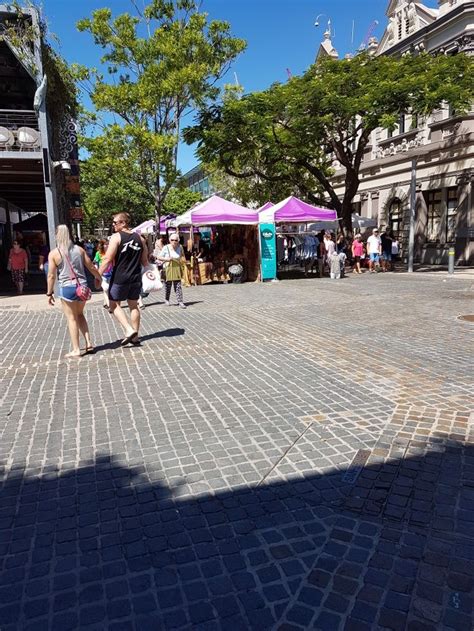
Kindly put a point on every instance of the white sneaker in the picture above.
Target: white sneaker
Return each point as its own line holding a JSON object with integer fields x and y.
{"x": 167, "y": 303}
{"x": 182, "y": 305}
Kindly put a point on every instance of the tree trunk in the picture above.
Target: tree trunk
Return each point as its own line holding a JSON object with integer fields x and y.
{"x": 351, "y": 187}
{"x": 346, "y": 223}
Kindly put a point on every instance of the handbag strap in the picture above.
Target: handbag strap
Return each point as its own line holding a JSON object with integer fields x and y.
{"x": 73, "y": 275}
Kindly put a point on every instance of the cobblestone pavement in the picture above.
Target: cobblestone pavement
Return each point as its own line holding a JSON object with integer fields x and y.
{"x": 289, "y": 456}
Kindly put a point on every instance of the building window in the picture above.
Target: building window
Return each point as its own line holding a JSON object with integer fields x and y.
{"x": 401, "y": 124}
{"x": 357, "y": 207}
{"x": 452, "y": 209}
{"x": 433, "y": 204}
{"x": 395, "y": 218}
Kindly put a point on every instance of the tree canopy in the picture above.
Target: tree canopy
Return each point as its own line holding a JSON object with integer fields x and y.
{"x": 162, "y": 61}
{"x": 111, "y": 182}
{"x": 285, "y": 139}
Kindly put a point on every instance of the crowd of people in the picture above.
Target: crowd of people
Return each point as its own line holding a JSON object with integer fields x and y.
{"x": 332, "y": 253}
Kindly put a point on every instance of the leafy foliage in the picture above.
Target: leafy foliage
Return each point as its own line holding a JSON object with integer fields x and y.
{"x": 162, "y": 62}
{"x": 180, "y": 200}
{"x": 285, "y": 139}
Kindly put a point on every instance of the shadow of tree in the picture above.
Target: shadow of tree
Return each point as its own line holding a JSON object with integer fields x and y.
{"x": 108, "y": 545}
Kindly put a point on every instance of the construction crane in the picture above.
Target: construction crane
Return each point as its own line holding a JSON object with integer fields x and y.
{"x": 368, "y": 35}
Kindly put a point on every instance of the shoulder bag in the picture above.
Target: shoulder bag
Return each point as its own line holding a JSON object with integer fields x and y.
{"x": 82, "y": 291}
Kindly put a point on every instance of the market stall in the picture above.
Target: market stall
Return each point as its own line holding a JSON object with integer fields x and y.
{"x": 293, "y": 216}
{"x": 227, "y": 237}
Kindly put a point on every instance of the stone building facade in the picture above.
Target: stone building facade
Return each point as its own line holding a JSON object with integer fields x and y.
{"x": 443, "y": 144}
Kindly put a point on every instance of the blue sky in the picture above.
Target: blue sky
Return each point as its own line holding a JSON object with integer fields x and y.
{"x": 280, "y": 34}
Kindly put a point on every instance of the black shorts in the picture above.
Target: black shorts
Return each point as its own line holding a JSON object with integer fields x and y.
{"x": 126, "y": 291}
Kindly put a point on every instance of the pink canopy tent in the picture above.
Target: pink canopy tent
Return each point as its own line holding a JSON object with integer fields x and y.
{"x": 218, "y": 211}
{"x": 293, "y": 210}
{"x": 148, "y": 226}
{"x": 265, "y": 206}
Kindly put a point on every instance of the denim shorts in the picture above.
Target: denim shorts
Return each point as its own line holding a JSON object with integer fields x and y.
{"x": 387, "y": 256}
{"x": 374, "y": 257}
{"x": 68, "y": 293}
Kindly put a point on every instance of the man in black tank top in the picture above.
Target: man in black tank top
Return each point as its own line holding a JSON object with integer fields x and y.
{"x": 127, "y": 252}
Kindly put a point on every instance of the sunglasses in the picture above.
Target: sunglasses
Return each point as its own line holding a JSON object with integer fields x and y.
{"x": 116, "y": 222}
{"x": 173, "y": 239}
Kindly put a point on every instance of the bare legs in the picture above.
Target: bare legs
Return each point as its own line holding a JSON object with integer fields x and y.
{"x": 77, "y": 323}
{"x": 134, "y": 314}
{"x": 122, "y": 319}
{"x": 83, "y": 326}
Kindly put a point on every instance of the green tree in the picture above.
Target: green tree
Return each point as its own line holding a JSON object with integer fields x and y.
{"x": 162, "y": 61}
{"x": 111, "y": 182}
{"x": 287, "y": 137}
{"x": 179, "y": 200}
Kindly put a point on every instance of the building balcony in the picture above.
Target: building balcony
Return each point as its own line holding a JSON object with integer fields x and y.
{"x": 19, "y": 131}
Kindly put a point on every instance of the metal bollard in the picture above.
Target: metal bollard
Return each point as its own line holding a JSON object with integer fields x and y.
{"x": 451, "y": 261}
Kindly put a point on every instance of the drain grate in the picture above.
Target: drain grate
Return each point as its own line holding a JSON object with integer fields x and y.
{"x": 467, "y": 318}
{"x": 356, "y": 466}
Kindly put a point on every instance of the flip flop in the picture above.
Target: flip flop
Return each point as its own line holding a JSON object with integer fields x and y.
{"x": 128, "y": 339}
{"x": 90, "y": 350}
{"x": 136, "y": 341}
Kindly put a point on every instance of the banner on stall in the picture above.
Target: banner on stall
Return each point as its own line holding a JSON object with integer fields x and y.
{"x": 268, "y": 250}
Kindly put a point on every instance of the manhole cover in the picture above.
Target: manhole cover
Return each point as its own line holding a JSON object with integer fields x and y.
{"x": 467, "y": 318}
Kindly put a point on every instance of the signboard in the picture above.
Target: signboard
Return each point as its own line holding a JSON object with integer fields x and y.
{"x": 76, "y": 214}
{"x": 268, "y": 250}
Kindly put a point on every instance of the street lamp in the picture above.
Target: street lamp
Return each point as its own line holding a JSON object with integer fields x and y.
{"x": 321, "y": 15}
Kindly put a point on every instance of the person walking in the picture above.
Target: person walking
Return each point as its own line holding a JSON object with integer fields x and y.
{"x": 386, "y": 240}
{"x": 107, "y": 275}
{"x": 329, "y": 249}
{"x": 357, "y": 253}
{"x": 374, "y": 250}
{"x": 43, "y": 258}
{"x": 127, "y": 252}
{"x": 68, "y": 262}
{"x": 18, "y": 265}
{"x": 172, "y": 255}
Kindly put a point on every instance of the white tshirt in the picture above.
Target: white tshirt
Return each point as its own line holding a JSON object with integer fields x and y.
{"x": 373, "y": 244}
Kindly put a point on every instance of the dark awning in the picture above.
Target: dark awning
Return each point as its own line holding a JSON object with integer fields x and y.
{"x": 21, "y": 183}
{"x": 37, "y": 222}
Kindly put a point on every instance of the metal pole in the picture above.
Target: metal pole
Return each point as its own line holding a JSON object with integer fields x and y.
{"x": 411, "y": 237}
{"x": 451, "y": 261}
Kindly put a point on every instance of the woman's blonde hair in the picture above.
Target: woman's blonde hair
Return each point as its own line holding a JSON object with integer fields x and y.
{"x": 63, "y": 238}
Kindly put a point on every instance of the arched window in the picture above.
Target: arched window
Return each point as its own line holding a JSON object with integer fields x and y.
{"x": 395, "y": 218}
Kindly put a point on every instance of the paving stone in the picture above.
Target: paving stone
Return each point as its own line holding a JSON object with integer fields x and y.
{"x": 212, "y": 505}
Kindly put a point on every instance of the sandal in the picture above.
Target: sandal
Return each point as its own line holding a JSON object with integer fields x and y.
{"x": 90, "y": 350}
{"x": 128, "y": 339}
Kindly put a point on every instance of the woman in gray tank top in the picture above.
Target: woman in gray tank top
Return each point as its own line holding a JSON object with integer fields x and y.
{"x": 67, "y": 262}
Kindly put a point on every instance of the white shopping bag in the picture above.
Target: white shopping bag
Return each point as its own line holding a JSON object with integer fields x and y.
{"x": 151, "y": 280}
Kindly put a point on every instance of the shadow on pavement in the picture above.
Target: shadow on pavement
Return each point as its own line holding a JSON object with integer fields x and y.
{"x": 111, "y": 546}
{"x": 166, "y": 333}
{"x": 143, "y": 338}
{"x": 162, "y": 302}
